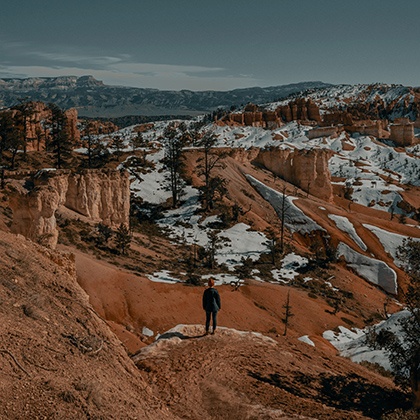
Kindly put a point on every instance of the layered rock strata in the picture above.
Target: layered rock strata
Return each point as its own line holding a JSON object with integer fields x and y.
{"x": 402, "y": 132}
{"x": 307, "y": 169}
{"x": 99, "y": 195}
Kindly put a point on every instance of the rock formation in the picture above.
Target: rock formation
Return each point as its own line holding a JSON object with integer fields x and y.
{"x": 330, "y": 131}
{"x": 378, "y": 128}
{"x": 100, "y": 195}
{"x": 307, "y": 169}
{"x": 93, "y": 127}
{"x": 402, "y": 132}
{"x": 141, "y": 128}
{"x": 37, "y": 121}
{"x": 299, "y": 109}
{"x": 34, "y": 214}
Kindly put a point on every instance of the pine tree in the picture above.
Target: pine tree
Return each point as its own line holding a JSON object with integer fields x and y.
{"x": 60, "y": 143}
{"x": 174, "y": 162}
{"x": 123, "y": 238}
{"x": 210, "y": 161}
{"x": 11, "y": 136}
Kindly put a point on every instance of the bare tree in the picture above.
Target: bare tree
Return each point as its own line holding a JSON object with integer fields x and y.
{"x": 287, "y": 313}
{"x": 283, "y": 213}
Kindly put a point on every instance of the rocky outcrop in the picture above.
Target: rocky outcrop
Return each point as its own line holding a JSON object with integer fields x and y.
{"x": 331, "y": 131}
{"x": 99, "y": 195}
{"x": 93, "y": 127}
{"x": 141, "y": 128}
{"x": 37, "y": 125}
{"x": 307, "y": 169}
{"x": 253, "y": 117}
{"x": 344, "y": 122}
{"x": 72, "y": 129}
{"x": 34, "y": 214}
{"x": 300, "y": 109}
{"x": 378, "y": 128}
{"x": 402, "y": 132}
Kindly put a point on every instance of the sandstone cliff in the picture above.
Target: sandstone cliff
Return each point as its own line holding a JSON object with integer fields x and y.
{"x": 300, "y": 109}
{"x": 37, "y": 121}
{"x": 402, "y": 132}
{"x": 99, "y": 195}
{"x": 307, "y": 169}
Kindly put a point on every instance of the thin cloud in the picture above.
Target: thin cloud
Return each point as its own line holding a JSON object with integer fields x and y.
{"x": 72, "y": 58}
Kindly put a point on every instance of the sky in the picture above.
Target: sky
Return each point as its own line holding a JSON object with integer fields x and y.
{"x": 212, "y": 45}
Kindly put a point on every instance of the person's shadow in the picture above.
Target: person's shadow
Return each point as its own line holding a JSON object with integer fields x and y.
{"x": 178, "y": 334}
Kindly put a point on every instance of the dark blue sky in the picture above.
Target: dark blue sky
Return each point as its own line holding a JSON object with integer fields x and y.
{"x": 218, "y": 45}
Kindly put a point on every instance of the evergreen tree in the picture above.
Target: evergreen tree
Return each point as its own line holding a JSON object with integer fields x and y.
{"x": 215, "y": 243}
{"x": 123, "y": 238}
{"x": 137, "y": 141}
{"x": 173, "y": 161}
{"x": 25, "y": 115}
{"x": 403, "y": 350}
{"x": 11, "y": 136}
{"x": 207, "y": 164}
{"x": 60, "y": 143}
{"x": 104, "y": 233}
{"x": 272, "y": 244}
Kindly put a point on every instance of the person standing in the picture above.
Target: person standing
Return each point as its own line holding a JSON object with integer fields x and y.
{"x": 211, "y": 304}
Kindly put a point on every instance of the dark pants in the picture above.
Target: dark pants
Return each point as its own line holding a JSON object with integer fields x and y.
{"x": 210, "y": 314}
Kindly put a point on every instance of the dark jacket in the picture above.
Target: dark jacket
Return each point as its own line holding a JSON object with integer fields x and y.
{"x": 211, "y": 300}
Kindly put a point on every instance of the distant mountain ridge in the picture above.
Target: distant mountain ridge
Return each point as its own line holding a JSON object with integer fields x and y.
{"x": 93, "y": 98}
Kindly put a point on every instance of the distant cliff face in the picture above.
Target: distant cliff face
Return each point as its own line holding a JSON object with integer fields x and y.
{"x": 307, "y": 169}
{"x": 94, "y": 99}
{"x": 299, "y": 109}
{"x": 99, "y": 195}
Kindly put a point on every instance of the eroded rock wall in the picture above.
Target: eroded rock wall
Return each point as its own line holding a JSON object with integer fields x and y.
{"x": 402, "y": 132}
{"x": 300, "y": 109}
{"x": 99, "y": 195}
{"x": 34, "y": 214}
{"x": 307, "y": 169}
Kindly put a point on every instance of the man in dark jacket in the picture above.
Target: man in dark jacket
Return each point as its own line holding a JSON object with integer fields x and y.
{"x": 211, "y": 304}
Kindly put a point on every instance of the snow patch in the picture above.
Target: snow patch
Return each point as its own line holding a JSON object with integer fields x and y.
{"x": 374, "y": 271}
{"x": 346, "y": 226}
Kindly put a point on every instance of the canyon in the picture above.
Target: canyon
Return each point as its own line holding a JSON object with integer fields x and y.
{"x": 101, "y": 332}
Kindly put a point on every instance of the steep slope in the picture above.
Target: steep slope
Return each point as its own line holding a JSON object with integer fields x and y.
{"x": 243, "y": 375}
{"x": 58, "y": 357}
